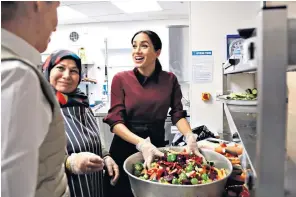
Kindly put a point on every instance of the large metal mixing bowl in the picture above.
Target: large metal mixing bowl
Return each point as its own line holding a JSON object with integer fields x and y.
{"x": 145, "y": 188}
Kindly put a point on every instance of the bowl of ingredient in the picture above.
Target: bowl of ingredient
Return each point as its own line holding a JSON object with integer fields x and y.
{"x": 179, "y": 174}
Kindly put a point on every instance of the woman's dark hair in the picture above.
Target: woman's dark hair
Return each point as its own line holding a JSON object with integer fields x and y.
{"x": 157, "y": 44}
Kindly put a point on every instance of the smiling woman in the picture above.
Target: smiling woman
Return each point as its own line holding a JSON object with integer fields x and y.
{"x": 140, "y": 100}
{"x": 63, "y": 70}
{"x": 146, "y": 50}
{"x": 86, "y": 156}
{"x": 65, "y": 76}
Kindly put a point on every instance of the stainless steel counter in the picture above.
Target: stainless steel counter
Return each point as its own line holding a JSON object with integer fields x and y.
{"x": 245, "y": 124}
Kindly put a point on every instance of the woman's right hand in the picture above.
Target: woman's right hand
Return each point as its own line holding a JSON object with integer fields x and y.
{"x": 149, "y": 151}
{"x": 85, "y": 162}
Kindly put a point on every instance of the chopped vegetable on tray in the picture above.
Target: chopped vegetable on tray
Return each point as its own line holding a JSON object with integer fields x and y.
{"x": 248, "y": 95}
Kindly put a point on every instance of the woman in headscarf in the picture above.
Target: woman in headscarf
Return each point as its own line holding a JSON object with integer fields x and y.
{"x": 86, "y": 155}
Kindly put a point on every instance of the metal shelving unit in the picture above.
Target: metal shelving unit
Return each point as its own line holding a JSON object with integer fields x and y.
{"x": 247, "y": 68}
{"x": 87, "y": 83}
{"x": 274, "y": 56}
{"x": 240, "y": 68}
{"x": 234, "y": 66}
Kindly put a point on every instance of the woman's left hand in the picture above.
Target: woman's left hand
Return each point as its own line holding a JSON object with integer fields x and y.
{"x": 192, "y": 145}
{"x": 112, "y": 169}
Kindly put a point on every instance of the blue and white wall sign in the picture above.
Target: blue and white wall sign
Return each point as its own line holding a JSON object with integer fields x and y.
{"x": 202, "y": 52}
{"x": 202, "y": 66}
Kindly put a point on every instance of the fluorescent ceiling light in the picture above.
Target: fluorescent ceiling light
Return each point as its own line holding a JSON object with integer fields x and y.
{"x": 133, "y": 6}
{"x": 66, "y": 13}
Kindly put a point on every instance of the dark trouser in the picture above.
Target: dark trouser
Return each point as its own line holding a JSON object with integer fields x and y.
{"x": 120, "y": 150}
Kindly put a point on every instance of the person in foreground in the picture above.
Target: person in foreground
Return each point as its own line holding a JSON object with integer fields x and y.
{"x": 140, "y": 100}
{"x": 86, "y": 155}
{"x": 32, "y": 131}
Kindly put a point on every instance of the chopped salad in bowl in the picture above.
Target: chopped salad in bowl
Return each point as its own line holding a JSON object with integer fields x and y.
{"x": 179, "y": 168}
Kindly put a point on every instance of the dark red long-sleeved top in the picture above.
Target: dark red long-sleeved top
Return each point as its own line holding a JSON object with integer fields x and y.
{"x": 135, "y": 97}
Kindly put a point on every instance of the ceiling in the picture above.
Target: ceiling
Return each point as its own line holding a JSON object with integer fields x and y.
{"x": 105, "y": 11}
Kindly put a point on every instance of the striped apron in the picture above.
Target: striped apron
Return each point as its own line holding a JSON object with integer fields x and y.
{"x": 83, "y": 136}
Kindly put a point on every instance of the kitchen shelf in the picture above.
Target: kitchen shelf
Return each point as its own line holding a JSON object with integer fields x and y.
{"x": 85, "y": 80}
{"x": 240, "y": 68}
{"x": 89, "y": 80}
{"x": 262, "y": 128}
{"x": 242, "y": 108}
{"x": 237, "y": 102}
{"x": 250, "y": 68}
{"x": 87, "y": 83}
{"x": 88, "y": 64}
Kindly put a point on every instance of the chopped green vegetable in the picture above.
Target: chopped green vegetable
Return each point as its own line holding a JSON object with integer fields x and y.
{"x": 146, "y": 176}
{"x": 162, "y": 180}
{"x": 153, "y": 165}
{"x": 207, "y": 181}
{"x": 237, "y": 95}
{"x": 249, "y": 91}
{"x": 137, "y": 173}
{"x": 175, "y": 181}
{"x": 182, "y": 176}
{"x": 204, "y": 177}
{"x": 138, "y": 166}
{"x": 248, "y": 95}
{"x": 189, "y": 168}
{"x": 172, "y": 157}
{"x": 194, "y": 181}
